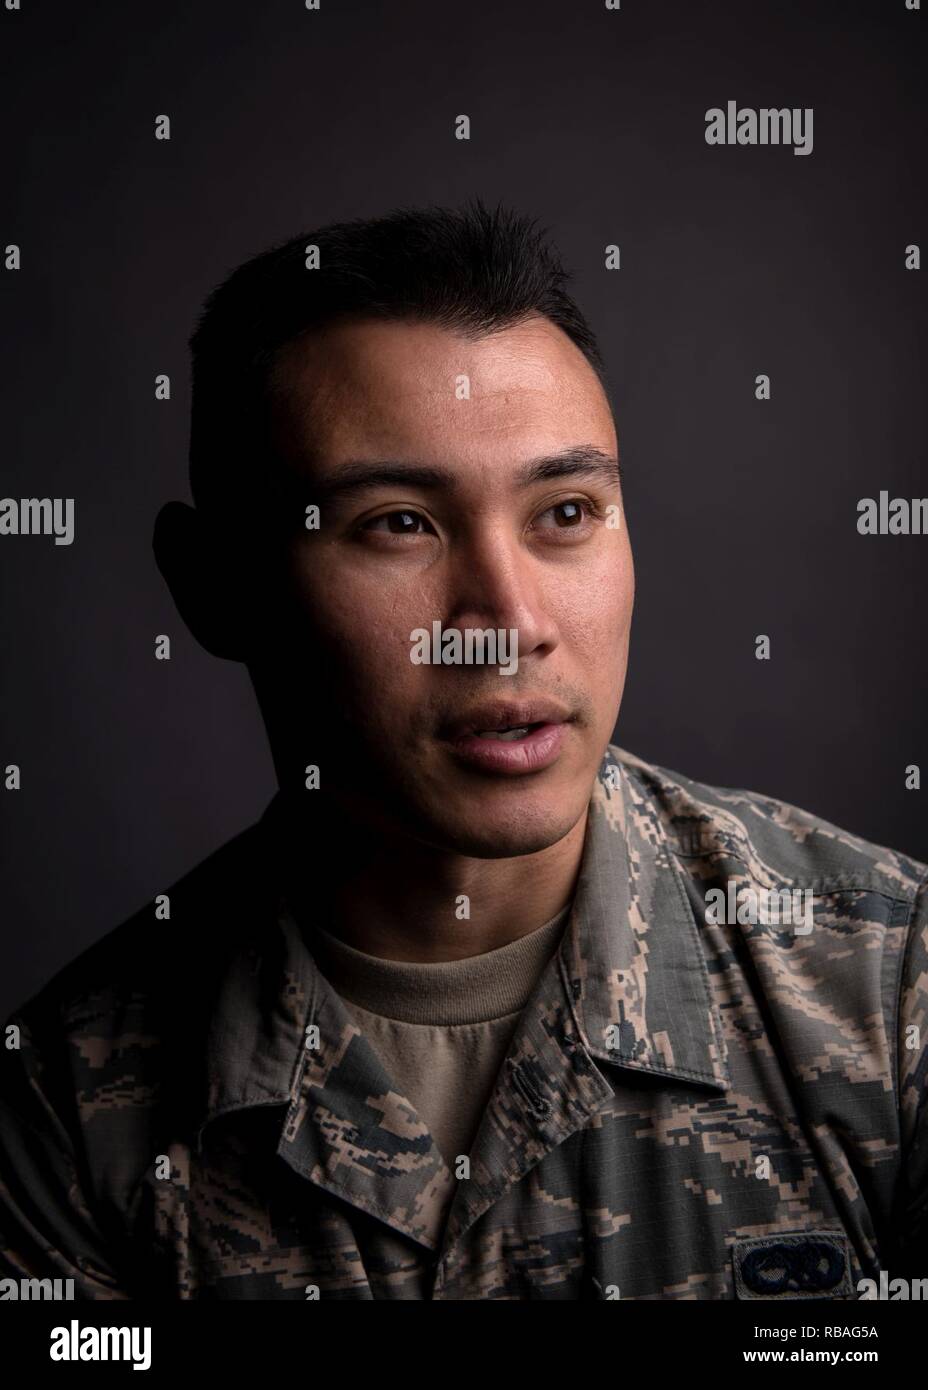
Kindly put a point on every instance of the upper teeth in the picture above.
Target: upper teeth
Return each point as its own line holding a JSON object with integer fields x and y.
{"x": 504, "y": 733}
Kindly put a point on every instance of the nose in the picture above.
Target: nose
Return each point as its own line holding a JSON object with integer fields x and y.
{"x": 494, "y": 583}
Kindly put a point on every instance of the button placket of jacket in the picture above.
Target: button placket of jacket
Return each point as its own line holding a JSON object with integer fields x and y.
{"x": 529, "y": 1091}
{"x": 577, "y": 1053}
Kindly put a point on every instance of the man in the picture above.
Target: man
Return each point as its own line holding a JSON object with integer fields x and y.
{"x": 484, "y": 1007}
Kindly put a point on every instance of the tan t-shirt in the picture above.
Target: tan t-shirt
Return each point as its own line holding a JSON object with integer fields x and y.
{"x": 441, "y": 1030}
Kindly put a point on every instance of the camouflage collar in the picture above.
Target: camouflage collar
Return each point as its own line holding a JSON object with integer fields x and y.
{"x": 632, "y": 958}
{"x": 628, "y": 988}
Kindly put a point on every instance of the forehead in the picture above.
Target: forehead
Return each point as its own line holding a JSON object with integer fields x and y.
{"x": 419, "y": 389}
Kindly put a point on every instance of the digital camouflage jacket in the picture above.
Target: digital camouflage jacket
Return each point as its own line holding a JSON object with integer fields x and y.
{"x": 692, "y": 1107}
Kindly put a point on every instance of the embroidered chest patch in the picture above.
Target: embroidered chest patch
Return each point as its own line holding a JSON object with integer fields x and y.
{"x": 807, "y": 1264}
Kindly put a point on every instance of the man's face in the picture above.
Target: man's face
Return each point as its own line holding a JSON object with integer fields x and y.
{"x": 428, "y": 513}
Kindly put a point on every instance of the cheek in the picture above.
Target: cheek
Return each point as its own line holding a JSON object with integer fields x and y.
{"x": 594, "y": 609}
{"x": 363, "y": 632}
{"x": 344, "y": 606}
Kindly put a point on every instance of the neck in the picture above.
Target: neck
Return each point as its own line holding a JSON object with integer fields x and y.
{"x": 401, "y": 900}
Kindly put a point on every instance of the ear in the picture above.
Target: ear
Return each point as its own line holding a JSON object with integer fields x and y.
{"x": 205, "y": 586}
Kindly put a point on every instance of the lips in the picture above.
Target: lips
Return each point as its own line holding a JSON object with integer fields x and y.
{"x": 506, "y": 735}
{"x": 506, "y": 739}
{"x": 498, "y": 715}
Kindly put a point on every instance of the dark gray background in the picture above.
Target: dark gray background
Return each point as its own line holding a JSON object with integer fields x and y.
{"x": 735, "y": 261}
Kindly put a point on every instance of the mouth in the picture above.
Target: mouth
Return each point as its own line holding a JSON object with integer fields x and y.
{"x": 508, "y": 735}
{"x": 509, "y": 740}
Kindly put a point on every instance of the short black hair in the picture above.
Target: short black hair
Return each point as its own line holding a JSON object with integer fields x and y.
{"x": 470, "y": 269}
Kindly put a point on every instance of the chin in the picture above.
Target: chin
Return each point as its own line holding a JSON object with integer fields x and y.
{"x": 483, "y": 844}
{"x": 480, "y": 835}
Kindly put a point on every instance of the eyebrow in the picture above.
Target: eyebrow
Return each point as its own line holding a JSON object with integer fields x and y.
{"x": 358, "y": 475}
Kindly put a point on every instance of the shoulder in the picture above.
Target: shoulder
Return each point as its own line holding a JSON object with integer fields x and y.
{"x": 844, "y": 969}
{"x": 763, "y": 837}
{"x": 135, "y": 1003}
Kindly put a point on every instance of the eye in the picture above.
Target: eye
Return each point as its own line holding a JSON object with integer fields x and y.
{"x": 401, "y": 523}
{"x": 569, "y": 515}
